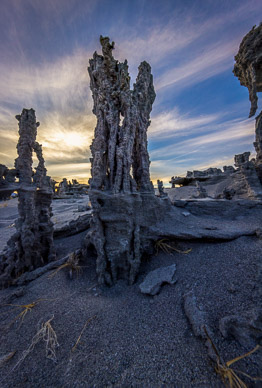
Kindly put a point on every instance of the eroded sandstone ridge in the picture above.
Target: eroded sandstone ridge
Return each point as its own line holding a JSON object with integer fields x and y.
{"x": 32, "y": 244}
{"x": 121, "y": 193}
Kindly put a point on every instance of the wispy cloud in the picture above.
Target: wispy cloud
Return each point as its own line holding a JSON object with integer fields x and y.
{"x": 59, "y": 92}
{"x": 184, "y": 46}
{"x": 212, "y": 61}
{"x": 171, "y": 123}
{"x": 212, "y": 144}
{"x": 224, "y": 133}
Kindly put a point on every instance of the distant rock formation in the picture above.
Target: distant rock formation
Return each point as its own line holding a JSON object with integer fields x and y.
{"x": 7, "y": 181}
{"x": 196, "y": 176}
{"x": 66, "y": 188}
{"x": 232, "y": 183}
{"x": 32, "y": 244}
{"x": 121, "y": 193}
{"x": 160, "y": 187}
{"x": 244, "y": 181}
{"x": 7, "y": 175}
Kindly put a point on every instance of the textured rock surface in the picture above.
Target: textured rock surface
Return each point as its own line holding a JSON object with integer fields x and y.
{"x": 121, "y": 193}
{"x": 241, "y": 182}
{"x": 7, "y": 181}
{"x": 246, "y": 329}
{"x": 66, "y": 188}
{"x": 248, "y": 66}
{"x": 160, "y": 187}
{"x": 32, "y": 244}
{"x": 199, "y": 322}
{"x": 154, "y": 280}
{"x": 258, "y": 145}
{"x": 248, "y": 69}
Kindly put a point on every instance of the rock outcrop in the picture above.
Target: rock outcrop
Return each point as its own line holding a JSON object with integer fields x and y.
{"x": 248, "y": 66}
{"x": 160, "y": 187}
{"x": 32, "y": 244}
{"x": 245, "y": 181}
{"x": 7, "y": 181}
{"x": 121, "y": 193}
{"x": 154, "y": 280}
{"x": 248, "y": 69}
{"x": 66, "y": 188}
{"x": 258, "y": 146}
{"x": 241, "y": 182}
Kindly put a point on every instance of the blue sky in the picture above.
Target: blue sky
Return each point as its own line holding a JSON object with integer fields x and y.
{"x": 200, "y": 115}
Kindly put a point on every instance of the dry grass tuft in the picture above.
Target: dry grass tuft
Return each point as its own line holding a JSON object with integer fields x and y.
{"x": 47, "y": 334}
{"x": 73, "y": 265}
{"x": 82, "y": 331}
{"x": 165, "y": 246}
{"x": 25, "y": 309}
{"x": 228, "y": 375}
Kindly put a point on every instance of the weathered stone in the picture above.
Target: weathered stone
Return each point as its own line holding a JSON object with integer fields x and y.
{"x": 7, "y": 181}
{"x": 248, "y": 69}
{"x": 242, "y": 182}
{"x": 121, "y": 193}
{"x": 248, "y": 175}
{"x": 73, "y": 227}
{"x": 160, "y": 187}
{"x": 32, "y": 244}
{"x": 66, "y": 188}
{"x": 201, "y": 190}
{"x": 258, "y": 146}
{"x": 246, "y": 329}
{"x": 248, "y": 66}
{"x": 241, "y": 159}
{"x": 228, "y": 169}
{"x": 154, "y": 280}
{"x": 198, "y": 319}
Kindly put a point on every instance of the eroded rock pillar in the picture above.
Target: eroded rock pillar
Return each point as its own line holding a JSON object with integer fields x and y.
{"x": 121, "y": 193}
{"x": 32, "y": 244}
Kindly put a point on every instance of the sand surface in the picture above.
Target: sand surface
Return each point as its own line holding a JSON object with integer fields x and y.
{"x": 129, "y": 339}
{"x": 132, "y": 340}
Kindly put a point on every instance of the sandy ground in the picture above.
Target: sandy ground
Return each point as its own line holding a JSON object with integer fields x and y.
{"x": 130, "y": 339}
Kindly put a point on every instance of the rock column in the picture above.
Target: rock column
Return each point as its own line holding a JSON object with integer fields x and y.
{"x": 32, "y": 244}
{"x": 121, "y": 193}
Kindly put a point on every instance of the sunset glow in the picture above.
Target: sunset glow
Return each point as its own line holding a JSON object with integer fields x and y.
{"x": 200, "y": 114}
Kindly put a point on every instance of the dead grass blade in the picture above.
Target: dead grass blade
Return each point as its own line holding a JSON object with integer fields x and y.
{"x": 26, "y": 308}
{"x": 82, "y": 331}
{"x": 47, "y": 334}
{"x": 227, "y": 374}
{"x": 7, "y": 357}
{"x": 72, "y": 264}
{"x": 167, "y": 248}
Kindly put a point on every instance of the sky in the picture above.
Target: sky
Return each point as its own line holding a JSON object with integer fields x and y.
{"x": 200, "y": 115}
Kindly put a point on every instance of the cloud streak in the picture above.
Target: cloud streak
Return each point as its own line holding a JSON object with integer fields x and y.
{"x": 181, "y": 44}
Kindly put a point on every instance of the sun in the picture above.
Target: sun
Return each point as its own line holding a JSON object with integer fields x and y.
{"x": 73, "y": 139}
